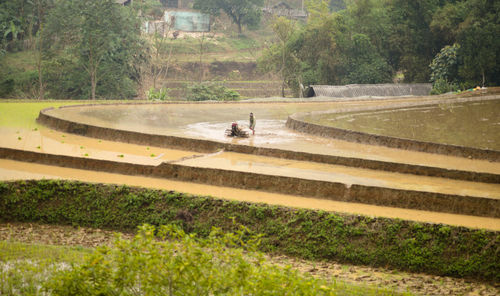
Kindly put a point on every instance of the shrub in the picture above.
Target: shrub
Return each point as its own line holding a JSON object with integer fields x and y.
{"x": 441, "y": 86}
{"x": 175, "y": 263}
{"x": 309, "y": 234}
{"x": 209, "y": 91}
{"x": 158, "y": 95}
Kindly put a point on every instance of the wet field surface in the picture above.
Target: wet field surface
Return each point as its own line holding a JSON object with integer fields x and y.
{"x": 15, "y": 170}
{"x": 470, "y": 124}
{"x": 208, "y": 121}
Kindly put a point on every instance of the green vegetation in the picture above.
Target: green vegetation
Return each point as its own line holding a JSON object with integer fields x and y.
{"x": 59, "y": 49}
{"x": 309, "y": 234}
{"x": 24, "y": 268}
{"x": 241, "y": 12}
{"x": 157, "y": 95}
{"x": 20, "y": 251}
{"x": 24, "y": 114}
{"x": 371, "y": 40}
{"x": 159, "y": 261}
{"x": 209, "y": 91}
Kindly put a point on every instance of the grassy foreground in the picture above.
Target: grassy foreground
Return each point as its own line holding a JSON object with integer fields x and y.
{"x": 317, "y": 235}
{"x": 161, "y": 261}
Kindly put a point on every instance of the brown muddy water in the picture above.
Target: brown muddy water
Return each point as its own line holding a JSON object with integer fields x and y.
{"x": 470, "y": 124}
{"x": 209, "y": 121}
{"x": 46, "y": 140}
{"x": 14, "y": 170}
{"x": 341, "y": 174}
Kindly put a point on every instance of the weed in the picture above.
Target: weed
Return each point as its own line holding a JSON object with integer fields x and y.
{"x": 404, "y": 245}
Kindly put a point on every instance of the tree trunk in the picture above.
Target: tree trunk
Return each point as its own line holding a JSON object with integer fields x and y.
{"x": 283, "y": 71}
{"x": 93, "y": 84}
{"x": 239, "y": 26}
{"x": 41, "y": 89}
{"x": 482, "y": 72}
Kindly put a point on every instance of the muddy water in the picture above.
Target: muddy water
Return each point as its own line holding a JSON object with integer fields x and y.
{"x": 45, "y": 140}
{"x": 10, "y": 170}
{"x": 471, "y": 124}
{"x": 342, "y": 174}
{"x": 208, "y": 121}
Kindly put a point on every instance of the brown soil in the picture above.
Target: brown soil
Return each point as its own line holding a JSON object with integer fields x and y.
{"x": 420, "y": 284}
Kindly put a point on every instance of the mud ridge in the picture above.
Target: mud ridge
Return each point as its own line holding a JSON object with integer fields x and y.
{"x": 419, "y": 200}
{"x": 208, "y": 146}
{"x": 297, "y": 123}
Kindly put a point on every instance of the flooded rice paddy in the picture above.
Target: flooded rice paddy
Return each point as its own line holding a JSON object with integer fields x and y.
{"x": 13, "y": 170}
{"x": 208, "y": 121}
{"x": 470, "y": 124}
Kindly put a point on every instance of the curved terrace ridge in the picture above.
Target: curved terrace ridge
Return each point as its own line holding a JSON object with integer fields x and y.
{"x": 203, "y": 145}
{"x": 298, "y": 122}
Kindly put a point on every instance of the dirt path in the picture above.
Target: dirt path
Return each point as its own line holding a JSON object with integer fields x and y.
{"x": 420, "y": 284}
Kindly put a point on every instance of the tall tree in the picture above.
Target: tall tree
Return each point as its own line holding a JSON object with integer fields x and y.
{"x": 241, "y": 12}
{"x": 100, "y": 34}
{"x": 474, "y": 26}
{"x": 413, "y": 43}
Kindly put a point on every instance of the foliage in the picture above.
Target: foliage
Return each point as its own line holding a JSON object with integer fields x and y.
{"x": 279, "y": 58}
{"x": 157, "y": 95}
{"x": 158, "y": 261}
{"x": 441, "y": 86}
{"x": 310, "y": 234}
{"x": 444, "y": 70}
{"x": 474, "y": 25}
{"x": 241, "y": 12}
{"x": 24, "y": 268}
{"x": 174, "y": 263}
{"x": 210, "y": 91}
{"x": 361, "y": 63}
{"x": 98, "y": 38}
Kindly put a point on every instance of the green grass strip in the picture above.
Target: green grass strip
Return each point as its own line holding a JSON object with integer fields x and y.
{"x": 309, "y": 234}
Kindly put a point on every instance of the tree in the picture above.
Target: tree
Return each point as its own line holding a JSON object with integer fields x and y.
{"x": 280, "y": 58}
{"x": 475, "y": 26}
{"x": 160, "y": 49}
{"x": 361, "y": 63}
{"x": 102, "y": 36}
{"x": 283, "y": 28}
{"x": 413, "y": 42}
{"x": 241, "y": 12}
{"x": 480, "y": 45}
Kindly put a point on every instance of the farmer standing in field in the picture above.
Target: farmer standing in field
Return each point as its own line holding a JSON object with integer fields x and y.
{"x": 252, "y": 123}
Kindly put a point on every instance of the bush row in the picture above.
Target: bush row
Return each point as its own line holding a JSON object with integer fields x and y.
{"x": 309, "y": 234}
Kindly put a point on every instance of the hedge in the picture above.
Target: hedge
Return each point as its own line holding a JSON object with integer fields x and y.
{"x": 310, "y": 234}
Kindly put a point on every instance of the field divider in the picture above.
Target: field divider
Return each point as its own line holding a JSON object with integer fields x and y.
{"x": 296, "y": 122}
{"x": 418, "y": 200}
{"x": 209, "y": 146}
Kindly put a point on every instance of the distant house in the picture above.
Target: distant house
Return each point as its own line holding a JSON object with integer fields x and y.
{"x": 187, "y": 21}
{"x": 179, "y": 20}
{"x": 284, "y": 9}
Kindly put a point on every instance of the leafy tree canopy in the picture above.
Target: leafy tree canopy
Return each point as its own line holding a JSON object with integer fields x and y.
{"x": 241, "y": 12}
{"x": 96, "y": 42}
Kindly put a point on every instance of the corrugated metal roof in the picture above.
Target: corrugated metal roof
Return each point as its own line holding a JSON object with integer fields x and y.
{"x": 376, "y": 90}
